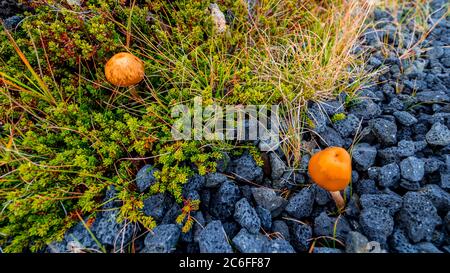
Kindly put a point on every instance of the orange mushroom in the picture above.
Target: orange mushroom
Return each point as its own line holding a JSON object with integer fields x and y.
{"x": 331, "y": 169}
{"x": 124, "y": 69}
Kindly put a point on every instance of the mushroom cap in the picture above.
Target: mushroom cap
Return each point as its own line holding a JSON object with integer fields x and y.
{"x": 331, "y": 168}
{"x": 124, "y": 69}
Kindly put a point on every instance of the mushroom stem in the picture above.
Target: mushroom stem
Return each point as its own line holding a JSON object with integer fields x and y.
{"x": 337, "y": 197}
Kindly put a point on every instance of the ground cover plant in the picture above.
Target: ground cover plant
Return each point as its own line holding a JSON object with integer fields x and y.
{"x": 68, "y": 136}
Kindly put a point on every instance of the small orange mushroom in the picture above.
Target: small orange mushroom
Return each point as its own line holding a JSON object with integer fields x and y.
{"x": 331, "y": 169}
{"x": 124, "y": 69}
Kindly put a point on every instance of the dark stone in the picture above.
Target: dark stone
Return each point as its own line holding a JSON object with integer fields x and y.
{"x": 389, "y": 175}
{"x": 366, "y": 186}
{"x": 318, "y": 117}
{"x": 437, "y": 196}
{"x": 330, "y": 137}
{"x": 439, "y": 134}
{"x": 418, "y": 217}
{"x": 231, "y": 228}
{"x": 384, "y": 130}
{"x": 109, "y": 232}
{"x": 12, "y": 22}
{"x": 172, "y": 214}
{"x": 322, "y": 197}
{"x": 268, "y": 199}
{"x": 278, "y": 166}
{"x": 245, "y": 242}
{"x": 377, "y": 224}
{"x": 412, "y": 169}
{"x": 145, "y": 178}
{"x": 265, "y": 217}
{"x": 364, "y": 156}
{"x": 277, "y": 246}
{"x": 300, "y": 205}
{"x": 157, "y": 205}
{"x": 162, "y": 239}
{"x": 246, "y": 216}
{"x": 245, "y": 168}
{"x": 427, "y": 247}
{"x": 348, "y": 126}
{"x": 301, "y": 234}
{"x": 389, "y": 202}
{"x": 400, "y": 243}
{"x": 366, "y": 109}
{"x": 326, "y": 250}
{"x": 213, "y": 180}
{"x": 331, "y": 226}
{"x": 355, "y": 242}
{"x": 407, "y": 148}
{"x": 432, "y": 96}
{"x": 405, "y": 118}
{"x": 281, "y": 229}
{"x": 223, "y": 201}
{"x": 212, "y": 239}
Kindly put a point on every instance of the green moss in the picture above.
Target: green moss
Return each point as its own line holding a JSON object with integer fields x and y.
{"x": 337, "y": 117}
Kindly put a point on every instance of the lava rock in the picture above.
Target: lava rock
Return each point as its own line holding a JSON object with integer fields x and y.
{"x": 212, "y": 239}
{"x": 245, "y": 168}
{"x": 377, "y": 224}
{"x": 364, "y": 156}
{"x": 231, "y": 228}
{"x": 439, "y": 134}
{"x": 301, "y": 204}
{"x": 366, "y": 109}
{"x": 162, "y": 239}
{"x": 389, "y": 202}
{"x": 277, "y": 246}
{"x": 418, "y": 217}
{"x": 145, "y": 178}
{"x": 321, "y": 196}
{"x": 245, "y": 242}
{"x": 12, "y": 22}
{"x": 437, "y": 196}
{"x": 348, "y": 126}
{"x": 78, "y": 235}
{"x": 281, "y": 229}
{"x": 246, "y": 216}
{"x": 389, "y": 175}
{"x": 326, "y": 250}
{"x": 432, "y": 96}
{"x": 407, "y": 148}
{"x": 265, "y": 217}
{"x": 432, "y": 164}
{"x": 171, "y": 215}
{"x": 268, "y": 199}
{"x": 427, "y": 247}
{"x": 301, "y": 234}
{"x": 157, "y": 205}
{"x": 277, "y": 165}
{"x": 223, "y": 201}
{"x": 355, "y": 242}
{"x": 319, "y": 117}
{"x": 366, "y": 186}
{"x": 332, "y": 227}
{"x": 412, "y": 169}
{"x": 109, "y": 232}
{"x": 330, "y": 137}
{"x": 213, "y": 180}
{"x": 405, "y": 118}
{"x": 400, "y": 243}
{"x": 384, "y": 130}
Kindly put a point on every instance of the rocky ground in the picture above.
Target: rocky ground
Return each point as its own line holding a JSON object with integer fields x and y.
{"x": 399, "y": 199}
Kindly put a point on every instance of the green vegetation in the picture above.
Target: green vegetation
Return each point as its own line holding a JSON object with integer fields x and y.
{"x": 67, "y": 134}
